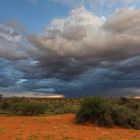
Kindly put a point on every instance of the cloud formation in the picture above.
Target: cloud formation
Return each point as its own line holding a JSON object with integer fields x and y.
{"x": 11, "y": 43}
{"x": 81, "y": 52}
{"x": 73, "y": 45}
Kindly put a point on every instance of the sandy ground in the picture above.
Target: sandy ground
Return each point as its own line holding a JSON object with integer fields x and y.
{"x": 60, "y": 127}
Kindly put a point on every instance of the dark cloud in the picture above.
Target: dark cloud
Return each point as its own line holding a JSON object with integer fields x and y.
{"x": 9, "y": 75}
{"x": 119, "y": 92}
{"x": 82, "y": 54}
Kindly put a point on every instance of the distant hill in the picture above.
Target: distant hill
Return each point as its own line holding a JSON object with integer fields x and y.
{"x": 30, "y": 95}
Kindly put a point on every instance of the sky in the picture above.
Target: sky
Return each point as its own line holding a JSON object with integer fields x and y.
{"x": 76, "y": 48}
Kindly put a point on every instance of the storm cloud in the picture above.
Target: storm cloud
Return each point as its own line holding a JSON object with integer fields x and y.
{"x": 79, "y": 53}
{"x": 71, "y": 46}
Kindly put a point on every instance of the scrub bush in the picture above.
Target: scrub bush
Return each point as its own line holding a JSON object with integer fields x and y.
{"x": 105, "y": 112}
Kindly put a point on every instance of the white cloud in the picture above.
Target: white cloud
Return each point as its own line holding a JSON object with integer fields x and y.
{"x": 9, "y": 34}
{"x": 12, "y": 43}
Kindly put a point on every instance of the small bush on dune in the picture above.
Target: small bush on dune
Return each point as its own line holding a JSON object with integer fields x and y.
{"x": 105, "y": 112}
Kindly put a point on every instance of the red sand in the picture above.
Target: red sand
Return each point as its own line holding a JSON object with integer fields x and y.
{"x": 60, "y": 127}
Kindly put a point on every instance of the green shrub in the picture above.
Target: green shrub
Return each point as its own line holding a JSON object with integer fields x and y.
{"x": 5, "y": 106}
{"x": 71, "y": 108}
{"x": 107, "y": 113}
{"x": 96, "y": 110}
{"x": 67, "y": 108}
{"x": 133, "y": 104}
{"x": 29, "y": 108}
{"x": 125, "y": 117}
{"x": 52, "y": 106}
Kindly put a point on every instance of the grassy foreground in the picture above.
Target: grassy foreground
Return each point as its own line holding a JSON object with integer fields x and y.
{"x": 101, "y": 111}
